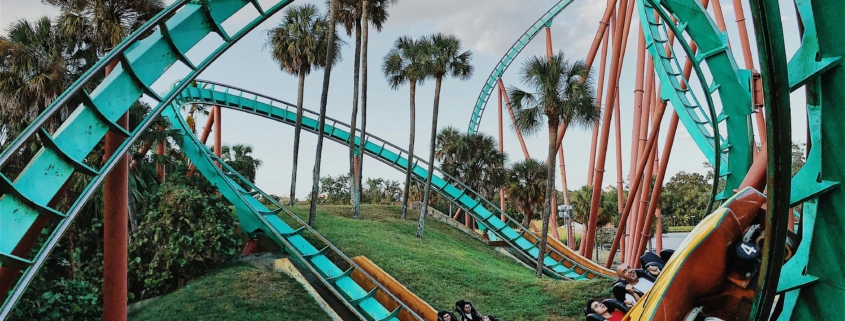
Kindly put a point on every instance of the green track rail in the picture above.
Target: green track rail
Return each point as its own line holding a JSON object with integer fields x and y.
{"x": 508, "y": 58}
{"x": 142, "y": 60}
{"x": 728, "y": 81}
{"x": 256, "y": 217}
{"x": 814, "y": 274}
{"x": 486, "y": 213}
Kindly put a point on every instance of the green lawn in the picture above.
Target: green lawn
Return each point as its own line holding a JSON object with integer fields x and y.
{"x": 447, "y": 265}
{"x": 238, "y": 293}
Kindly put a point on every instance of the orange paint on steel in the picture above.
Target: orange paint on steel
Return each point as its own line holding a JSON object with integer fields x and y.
{"x": 615, "y": 67}
{"x": 206, "y": 130}
{"x": 115, "y": 225}
{"x": 600, "y": 33}
{"x": 619, "y": 180}
{"x": 645, "y": 182}
{"x": 218, "y": 141}
{"x": 411, "y": 300}
{"x": 641, "y": 164}
{"x": 599, "y": 91}
{"x": 658, "y": 243}
{"x": 658, "y": 184}
{"x": 513, "y": 119}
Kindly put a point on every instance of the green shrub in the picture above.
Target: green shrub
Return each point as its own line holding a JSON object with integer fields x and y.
{"x": 182, "y": 233}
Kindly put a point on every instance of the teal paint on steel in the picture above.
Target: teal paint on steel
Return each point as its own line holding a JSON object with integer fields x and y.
{"x": 813, "y": 275}
{"x": 728, "y": 80}
{"x": 255, "y": 216}
{"x": 25, "y": 198}
{"x": 508, "y": 58}
{"x": 486, "y": 213}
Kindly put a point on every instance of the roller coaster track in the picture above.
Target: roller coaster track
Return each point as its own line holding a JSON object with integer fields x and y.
{"x": 730, "y": 83}
{"x": 143, "y": 57}
{"x": 560, "y": 265}
{"x": 508, "y": 58}
{"x": 255, "y": 216}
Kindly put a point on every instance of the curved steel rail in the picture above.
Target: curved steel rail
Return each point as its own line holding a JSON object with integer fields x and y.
{"x": 169, "y": 36}
{"x": 254, "y": 215}
{"x": 559, "y": 265}
{"x": 507, "y": 59}
{"x": 731, "y": 83}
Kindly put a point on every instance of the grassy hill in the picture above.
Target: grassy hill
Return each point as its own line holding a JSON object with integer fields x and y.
{"x": 237, "y": 293}
{"x": 447, "y": 265}
{"x": 444, "y": 266}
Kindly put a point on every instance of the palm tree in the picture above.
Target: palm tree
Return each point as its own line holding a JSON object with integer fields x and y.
{"x": 332, "y": 55}
{"x": 34, "y": 70}
{"x": 299, "y": 44}
{"x": 447, "y": 59}
{"x": 475, "y": 160}
{"x": 527, "y": 187}
{"x": 349, "y": 15}
{"x": 102, "y": 24}
{"x": 406, "y": 63}
{"x": 564, "y": 92}
{"x": 239, "y": 157}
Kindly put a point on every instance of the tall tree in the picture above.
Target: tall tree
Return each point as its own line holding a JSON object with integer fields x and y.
{"x": 526, "y": 186}
{"x": 374, "y": 11}
{"x": 407, "y": 63}
{"x": 299, "y": 44}
{"x": 332, "y": 55}
{"x": 447, "y": 59}
{"x": 563, "y": 92}
{"x": 350, "y": 14}
{"x": 34, "y": 70}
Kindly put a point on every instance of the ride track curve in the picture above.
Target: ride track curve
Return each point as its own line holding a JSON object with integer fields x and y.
{"x": 141, "y": 59}
{"x": 507, "y": 59}
{"x": 561, "y": 263}
{"x": 255, "y": 216}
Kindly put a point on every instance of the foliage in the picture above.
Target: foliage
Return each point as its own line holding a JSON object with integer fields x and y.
{"x": 335, "y": 190}
{"x": 62, "y": 300}
{"x": 239, "y": 157}
{"x": 526, "y": 187}
{"x": 182, "y": 234}
{"x": 685, "y": 198}
{"x": 379, "y": 190}
{"x": 300, "y": 42}
{"x": 472, "y": 158}
{"x": 563, "y": 94}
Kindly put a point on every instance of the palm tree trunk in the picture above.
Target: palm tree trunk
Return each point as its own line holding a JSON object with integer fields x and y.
{"x": 315, "y": 184}
{"x": 353, "y": 172}
{"x": 424, "y": 206}
{"x": 365, "y": 16}
{"x": 410, "y": 151}
{"x": 296, "y": 133}
{"x": 527, "y": 216}
{"x": 550, "y": 179}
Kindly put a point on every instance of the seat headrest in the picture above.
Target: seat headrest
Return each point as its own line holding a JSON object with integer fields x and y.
{"x": 595, "y": 317}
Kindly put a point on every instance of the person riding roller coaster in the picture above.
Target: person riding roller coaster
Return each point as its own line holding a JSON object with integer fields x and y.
{"x": 610, "y": 310}
{"x": 634, "y": 283}
{"x": 467, "y": 311}
{"x": 444, "y": 315}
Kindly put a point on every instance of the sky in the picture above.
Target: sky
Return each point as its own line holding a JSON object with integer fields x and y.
{"x": 487, "y": 28}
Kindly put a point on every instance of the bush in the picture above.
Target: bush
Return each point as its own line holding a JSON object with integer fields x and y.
{"x": 62, "y": 300}
{"x": 182, "y": 233}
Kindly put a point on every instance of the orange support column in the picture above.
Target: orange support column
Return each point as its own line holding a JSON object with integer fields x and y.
{"x": 218, "y": 143}
{"x": 206, "y": 130}
{"x": 115, "y": 226}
